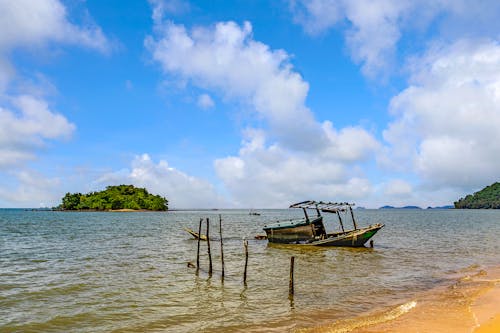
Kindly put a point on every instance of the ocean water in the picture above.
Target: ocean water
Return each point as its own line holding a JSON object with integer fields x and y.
{"x": 128, "y": 272}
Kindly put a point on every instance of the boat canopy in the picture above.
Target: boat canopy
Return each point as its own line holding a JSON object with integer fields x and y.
{"x": 328, "y": 207}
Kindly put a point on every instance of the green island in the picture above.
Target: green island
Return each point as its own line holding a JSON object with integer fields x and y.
{"x": 121, "y": 197}
{"x": 488, "y": 197}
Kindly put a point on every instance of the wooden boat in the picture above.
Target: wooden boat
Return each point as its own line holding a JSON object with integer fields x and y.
{"x": 195, "y": 234}
{"x": 311, "y": 230}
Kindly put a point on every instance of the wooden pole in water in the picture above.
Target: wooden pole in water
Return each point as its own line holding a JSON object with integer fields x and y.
{"x": 290, "y": 284}
{"x": 198, "y": 252}
{"x": 221, "y": 246}
{"x": 245, "y": 245}
{"x": 209, "y": 253}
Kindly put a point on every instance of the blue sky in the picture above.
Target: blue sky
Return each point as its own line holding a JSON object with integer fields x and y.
{"x": 250, "y": 103}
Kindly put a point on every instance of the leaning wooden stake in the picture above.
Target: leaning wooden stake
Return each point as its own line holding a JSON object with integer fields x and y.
{"x": 290, "y": 284}
{"x": 209, "y": 253}
{"x": 198, "y": 251}
{"x": 221, "y": 246}
{"x": 245, "y": 245}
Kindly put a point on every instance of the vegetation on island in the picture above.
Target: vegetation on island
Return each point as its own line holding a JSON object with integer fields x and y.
{"x": 488, "y": 197}
{"x": 113, "y": 198}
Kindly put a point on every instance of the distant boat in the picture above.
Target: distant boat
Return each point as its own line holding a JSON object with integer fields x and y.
{"x": 311, "y": 230}
{"x": 253, "y": 213}
{"x": 195, "y": 234}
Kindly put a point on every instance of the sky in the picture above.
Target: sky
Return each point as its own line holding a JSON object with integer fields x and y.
{"x": 250, "y": 103}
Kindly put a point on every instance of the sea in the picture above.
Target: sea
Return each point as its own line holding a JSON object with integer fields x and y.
{"x": 136, "y": 271}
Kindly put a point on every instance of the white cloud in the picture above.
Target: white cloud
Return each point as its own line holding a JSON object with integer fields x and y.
{"x": 227, "y": 59}
{"x": 398, "y": 187}
{"x": 398, "y": 193}
{"x": 350, "y": 144}
{"x": 182, "y": 190}
{"x": 304, "y": 156}
{"x": 24, "y": 131}
{"x": 373, "y": 32}
{"x": 33, "y": 23}
{"x": 273, "y": 177}
{"x": 317, "y": 15}
{"x": 163, "y": 7}
{"x": 374, "y": 28}
{"x": 30, "y": 189}
{"x": 205, "y": 101}
{"x": 450, "y": 115}
{"x": 26, "y": 121}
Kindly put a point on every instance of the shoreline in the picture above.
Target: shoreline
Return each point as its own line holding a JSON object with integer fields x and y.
{"x": 470, "y": 305}
{"x": 124, "y": 210}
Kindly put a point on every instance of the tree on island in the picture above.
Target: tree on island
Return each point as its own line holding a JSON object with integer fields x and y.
{"x": 115, "y": 197}
{"x": 488, "y": 197}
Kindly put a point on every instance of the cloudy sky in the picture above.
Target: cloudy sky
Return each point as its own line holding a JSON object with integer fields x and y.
{"x": 253, "y": 104}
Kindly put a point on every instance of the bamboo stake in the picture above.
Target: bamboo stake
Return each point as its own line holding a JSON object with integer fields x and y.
{"x": 245, "y": 245}
{"x": 290, "y": 284}
{"x": 198, "y": 252}
{"x": 221, "y": 246}
{"x": 209, "y": 253}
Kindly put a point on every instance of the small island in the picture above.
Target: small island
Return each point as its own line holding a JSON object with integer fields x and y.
{"x": 488, "y": 197}
{"x": 121, "y": 197}
{"x": 405, "y": 207}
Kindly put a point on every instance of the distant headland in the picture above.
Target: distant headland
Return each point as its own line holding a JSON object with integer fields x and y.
{"x": 123, "y": 198}
{"x": 488, "y": 197}
{"x": 417, "y": 207}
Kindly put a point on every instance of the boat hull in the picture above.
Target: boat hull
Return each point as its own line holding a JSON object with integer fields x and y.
{"x": 353, "y": 238}
{"x": 303, "y": 236}
{"x": 294, "y": 232}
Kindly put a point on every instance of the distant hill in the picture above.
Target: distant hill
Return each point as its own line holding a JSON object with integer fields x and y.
{"x": 442, "y": 207}
{"x": 121, "y": 197}
{"x": 488, "y": 197}
{"x": 405, "y": 207}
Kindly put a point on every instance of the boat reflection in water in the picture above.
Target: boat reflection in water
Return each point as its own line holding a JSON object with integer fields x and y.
{"x": 311, "y": 230}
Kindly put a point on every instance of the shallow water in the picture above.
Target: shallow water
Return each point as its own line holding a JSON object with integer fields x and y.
{"x": 127, "y": 272}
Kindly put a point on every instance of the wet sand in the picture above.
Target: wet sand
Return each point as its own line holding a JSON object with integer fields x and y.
{"x": 486, "y": 310}
{"x": 470, "y": 304}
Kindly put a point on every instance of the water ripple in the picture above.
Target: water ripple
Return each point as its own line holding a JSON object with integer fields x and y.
{"x": 100, "y": 272}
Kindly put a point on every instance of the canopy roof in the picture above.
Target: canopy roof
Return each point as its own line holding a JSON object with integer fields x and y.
{"x": 329, "y": 207}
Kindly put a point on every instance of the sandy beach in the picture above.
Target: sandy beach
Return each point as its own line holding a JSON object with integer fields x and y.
{"x": 486, "y": 309}
{"x": 471, "y": 304}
